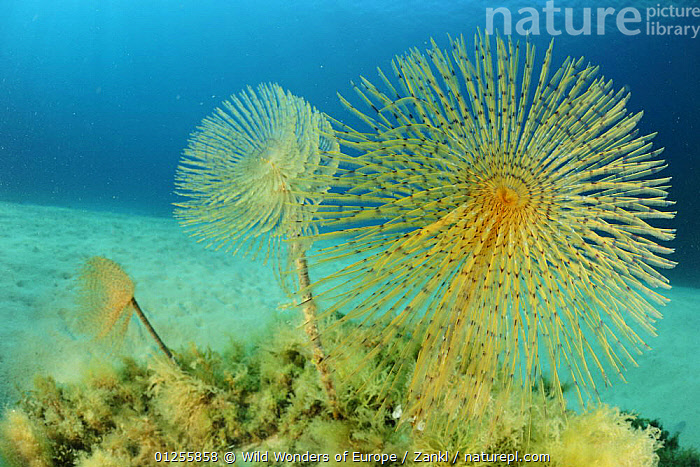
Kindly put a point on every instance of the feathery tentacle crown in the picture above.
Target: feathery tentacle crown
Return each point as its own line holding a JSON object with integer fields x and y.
{"x": 504, "y": 231}
{"x": 105, "y": 293}
{"x": 245, "y": 166}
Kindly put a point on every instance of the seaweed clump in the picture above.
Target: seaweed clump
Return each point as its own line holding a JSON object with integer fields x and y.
{"x": 671, "y": 454}
{"x": 263, "y": 397}
{"x": 602, "y": 436}
{"x": 267, "y": 397}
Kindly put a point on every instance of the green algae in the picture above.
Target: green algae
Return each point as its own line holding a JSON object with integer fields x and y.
{"x": 266, "y": 397}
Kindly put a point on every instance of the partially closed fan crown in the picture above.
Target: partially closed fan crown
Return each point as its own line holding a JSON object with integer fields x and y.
{"x": 104, "y": 299}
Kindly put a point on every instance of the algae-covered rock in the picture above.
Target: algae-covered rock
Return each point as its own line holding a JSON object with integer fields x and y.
{"x": 267, "y": 398}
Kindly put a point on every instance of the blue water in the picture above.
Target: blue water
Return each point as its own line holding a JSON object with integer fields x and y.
{"x": 97, "y": 98}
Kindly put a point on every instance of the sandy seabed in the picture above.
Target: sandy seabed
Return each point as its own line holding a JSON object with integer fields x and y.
{"x": 192, "y": 294}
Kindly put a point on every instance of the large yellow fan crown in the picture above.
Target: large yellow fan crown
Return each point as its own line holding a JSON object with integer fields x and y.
{"x": 501, "y": 228}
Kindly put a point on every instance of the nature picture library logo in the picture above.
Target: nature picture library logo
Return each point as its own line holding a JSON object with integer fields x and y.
{"x": 666, "y": 20}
